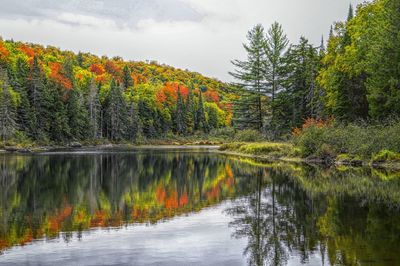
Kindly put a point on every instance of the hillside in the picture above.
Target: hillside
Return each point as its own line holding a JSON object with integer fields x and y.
{"x": 57, "y": 96}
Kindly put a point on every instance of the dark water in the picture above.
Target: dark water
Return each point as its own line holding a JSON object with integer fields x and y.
{"x": 193, "y": 208}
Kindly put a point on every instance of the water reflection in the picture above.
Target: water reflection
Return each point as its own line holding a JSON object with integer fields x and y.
{"x": 351, "y": 219}
{"x": 286, "y": 213}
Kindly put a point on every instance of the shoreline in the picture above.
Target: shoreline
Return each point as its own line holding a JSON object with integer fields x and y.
{"x": 204, "y": 147}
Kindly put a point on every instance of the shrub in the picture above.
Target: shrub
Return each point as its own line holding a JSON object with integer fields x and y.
{"x": 248, "y": 135}
{"x": 358, "y": 139}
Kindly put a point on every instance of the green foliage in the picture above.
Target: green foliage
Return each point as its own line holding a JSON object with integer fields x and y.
{"x": 248, "y": 135}
{"x": 269, "y": 149}
{"x": 385, "y": 156}
{"x": 354, "y": 139}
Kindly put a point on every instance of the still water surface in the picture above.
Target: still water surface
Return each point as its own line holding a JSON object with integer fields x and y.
{"x": 193, "y": 208}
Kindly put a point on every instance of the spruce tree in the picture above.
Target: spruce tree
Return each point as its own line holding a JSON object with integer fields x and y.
{"x": 249, "y": 108}
{"x": 180, "y": 114}
{"x": 94, "y": 110}
{"x": 116, "y": 113}
{"x": 8, "y": 123}
{"x": 126, "y": 77}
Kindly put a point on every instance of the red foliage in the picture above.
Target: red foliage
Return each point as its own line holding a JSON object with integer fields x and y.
{"x": 169, "y": 93}
{"x": 212, "y": 96}
{"x": 112, "y": 68}
{"x": 98, "y": 69}
{"x": 58, "y": 77}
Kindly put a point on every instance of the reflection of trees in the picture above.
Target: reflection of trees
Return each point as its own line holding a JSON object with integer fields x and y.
{"x": 282, "y": 217}
{"x": 43, "y": 195}
{"x": 258, "y": 218}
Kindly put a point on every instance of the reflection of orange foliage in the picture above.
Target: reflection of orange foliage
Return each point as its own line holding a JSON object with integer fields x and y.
{"x": 99, "y": 219}
{"x": 98, "y": 69}
{"x": 58, "y": 77}
{"x": 228, "y": 170}
{"x": 56, "y": 220}
{"x": 139, "y": 214}
{"x": 183, "y": 200}
{"x": 312, "y": 122}
{"x": 4, "y": 244}
{"x": 172, "y": 201}
{"x": 213, "y": 194}
{"x": 169, "y": 93}
{"x": 160, "y": 194}
{"x": 27, "y": 238}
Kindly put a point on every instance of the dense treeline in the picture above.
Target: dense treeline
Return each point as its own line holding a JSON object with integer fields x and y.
{"x": 354, "y": 77}
{"x": 49, "y": 95}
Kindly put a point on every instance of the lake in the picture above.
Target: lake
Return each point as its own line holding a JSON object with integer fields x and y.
{"x": 155, "y": 207}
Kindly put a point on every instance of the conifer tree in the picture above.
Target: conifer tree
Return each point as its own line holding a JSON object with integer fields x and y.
{"x": 180, "y": 114}
{"x": 116, "y": 113}
{"x": 8, "y": 123}
{"x": 94, "y": 111}
{"x": 249, "y": 109}
{"x": 201, "y": 122}
{"x": 126, "y": 78}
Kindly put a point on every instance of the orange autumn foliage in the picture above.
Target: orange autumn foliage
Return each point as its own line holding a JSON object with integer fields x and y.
{"x": 56, "y": 75}
{"x": 212, "y": 96}
{"x": 312, "y": 122}
{"x": 112, "y": 68}
{"x": 4, "y": 53}
{"x": 169, "y": 93}
{"x": 27, "y": 50}
{"x": 138, "y": 78}
{"x": 98, "y": 69}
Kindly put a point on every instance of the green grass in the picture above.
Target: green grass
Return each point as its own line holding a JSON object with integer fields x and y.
{"x": 271, "y": 149}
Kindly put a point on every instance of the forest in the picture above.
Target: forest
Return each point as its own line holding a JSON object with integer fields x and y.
{"x": 54, "y": 96}
{"x": 280, "y": 89}
{"x": 354, "y": 77}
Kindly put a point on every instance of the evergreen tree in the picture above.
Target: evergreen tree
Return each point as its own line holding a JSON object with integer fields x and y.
{"x": 8, "y": 123}
{"x": 94, "y": 111}
{"x": 78, "y": 115}
{"x": 25, "y": 115}
{"x": 201, "y": 122}
{"x": 190, "y": 111}
{"x": 126, "y": 77}
{"x": 116, "y": 113}
{"x": 249, "y": 109}
{"x": 180, "y": 114}
{"x": 276, "y": 43}
{"x": 134, "y": 125}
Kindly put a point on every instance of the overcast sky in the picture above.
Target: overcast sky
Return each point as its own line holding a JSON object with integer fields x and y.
{"x": 199, "y": 35}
